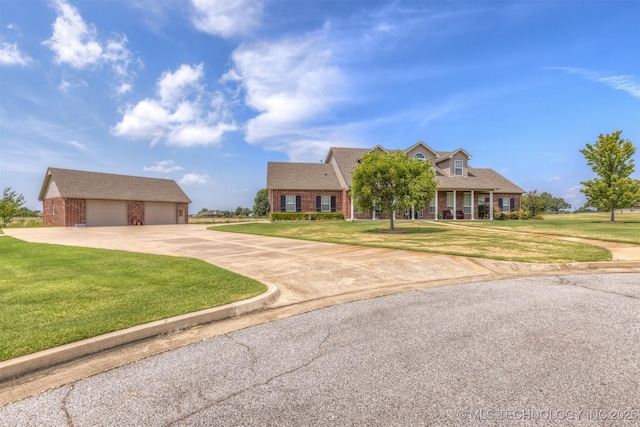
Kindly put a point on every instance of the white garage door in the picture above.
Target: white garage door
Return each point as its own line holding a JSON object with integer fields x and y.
{"x": 106, "y": 212}
{"x": 159, "y": 213}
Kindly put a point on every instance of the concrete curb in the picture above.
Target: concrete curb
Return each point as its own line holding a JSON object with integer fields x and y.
{"x": 29, "y": 363}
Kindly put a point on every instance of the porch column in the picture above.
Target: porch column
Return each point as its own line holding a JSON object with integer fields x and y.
{"x": 490, "y": 205}
{"x": 351, "y": 198}
{"x": 413, "y": 213}
{"x": 374, "y": 213}
{"x": 473, "y": 204}
{"x": 436, "y": 207}
{"x": 454, "y": 205}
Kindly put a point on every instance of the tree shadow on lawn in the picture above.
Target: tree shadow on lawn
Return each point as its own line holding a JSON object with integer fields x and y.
{"x": 407, "y": 230}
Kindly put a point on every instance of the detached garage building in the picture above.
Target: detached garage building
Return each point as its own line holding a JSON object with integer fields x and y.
{"x": 72, "y": 197}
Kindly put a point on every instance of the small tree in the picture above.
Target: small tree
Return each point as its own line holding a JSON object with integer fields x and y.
{"x": 10, "y": 205}
{"x": 391, "y": 182}
{"x": 261, "y": 203}
{"x": 533, "y": 203}
{"x": 611, "y": 158}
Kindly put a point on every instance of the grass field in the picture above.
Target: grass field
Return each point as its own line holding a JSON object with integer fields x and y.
{"x": 52, "y": 295}
{"x": 441, "y": 237}
{"x": 595, "y": 226}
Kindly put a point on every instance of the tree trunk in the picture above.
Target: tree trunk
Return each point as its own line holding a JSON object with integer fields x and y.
{"x": 613, "y": 215}
{"x": 391, "y": 222}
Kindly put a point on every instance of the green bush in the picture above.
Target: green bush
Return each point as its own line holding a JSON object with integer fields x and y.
{"x": 516, "y": 215}
{"x": 326, "y": 216}
{"x": 288, "y": 216}
{"x": 301, "y": 216}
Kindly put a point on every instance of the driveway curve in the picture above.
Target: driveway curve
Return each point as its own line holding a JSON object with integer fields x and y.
{"x": 305, "y": 270}
{"x": 531, "y": 351}
{"x": 309, "y": 275}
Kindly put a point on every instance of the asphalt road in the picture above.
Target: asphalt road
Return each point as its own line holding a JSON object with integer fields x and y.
{"x": 542, "y": 351}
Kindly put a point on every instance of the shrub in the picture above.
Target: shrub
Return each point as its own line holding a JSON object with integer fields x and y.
{"x": 326, "y": 216}
{"x": 301, "y": 216}
{"x": 288, "y": 216}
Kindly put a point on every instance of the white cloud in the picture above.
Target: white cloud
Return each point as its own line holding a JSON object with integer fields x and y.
{"x": 553, "y": 178}
{"x": 629, "y": 84}
{"x": 76, "y": 144}
{"x": 65, "y": 84}
{"x": 11, "y": 55}
{"x": 292, "y": 84}
{"x": 194, "y": 178}
{"x": 76, "y": 43}
{"x": 124, "y": 88}
{"x": 184, "y": 114}
{"x": 226, "y": 18}
{"x": 164, "y": 166}
{"x": 173, "y": 86}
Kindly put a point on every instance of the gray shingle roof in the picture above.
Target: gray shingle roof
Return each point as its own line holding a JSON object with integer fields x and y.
{"x": 318, "y": 176}
{"x": 301, "y": 176}
{"x": 347, "y": 159}
{"x": 75, "y": 184}
{"x": 478, "y": 179}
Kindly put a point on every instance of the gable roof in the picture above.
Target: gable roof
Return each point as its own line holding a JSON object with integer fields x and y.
{"x": 346, "y": 159}
{"x": 318, "y": 176}
{"x": 75, "y": 184}
{"x": 302, "y": 176}
{"x": 478, "y": 179}
{"x": 423, "y": 145}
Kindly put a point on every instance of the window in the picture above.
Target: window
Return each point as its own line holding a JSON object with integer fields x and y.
{"x": 419, "y": 156}
{"x": 457, "y": 167}
{"x": 467, "y": 203}
{"x": 450, "y": 201}
{"x": 507, "y": 205}
{"x": 432, "y": 206}
{"x": 326, "y": 204}
{"x": 291, "y": 203}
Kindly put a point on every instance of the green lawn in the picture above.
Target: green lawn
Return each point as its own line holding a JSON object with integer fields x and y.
{"x": 438, "y": 237}
{"x": 52, "y": 295}
{"x": 594, "y": 226}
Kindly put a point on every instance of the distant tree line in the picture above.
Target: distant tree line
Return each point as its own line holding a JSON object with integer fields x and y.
{"x": 538, "y": 204}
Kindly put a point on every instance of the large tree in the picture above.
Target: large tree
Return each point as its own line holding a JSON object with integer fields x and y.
{"x": 611, "y": 158}
{"x": 10, "y": 205}
{"x": 391, "y": 181}
{"x": 261, "y": 203}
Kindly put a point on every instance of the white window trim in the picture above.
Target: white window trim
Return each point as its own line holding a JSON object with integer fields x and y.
{"x": 325, "y": 204}
{"x": 291, "y": 200}
{"x": 466, "y": 198}
{"x": 432, "y": 205}
{"x": 450, "y": 199}
{"x": 456, "y": 168}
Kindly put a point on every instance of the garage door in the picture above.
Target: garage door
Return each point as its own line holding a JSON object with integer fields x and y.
{"x": 159, "y": 213}
{"x": 106, "y": 212}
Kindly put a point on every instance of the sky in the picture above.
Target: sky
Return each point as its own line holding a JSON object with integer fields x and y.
{"x": 206, "y": 92}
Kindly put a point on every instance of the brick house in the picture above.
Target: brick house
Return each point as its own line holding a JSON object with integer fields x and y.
{"x": 72, "y": 197}
{"x": 463, "y": 192}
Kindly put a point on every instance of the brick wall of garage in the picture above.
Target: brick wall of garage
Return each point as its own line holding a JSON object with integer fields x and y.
{"x": 59, "y": 212}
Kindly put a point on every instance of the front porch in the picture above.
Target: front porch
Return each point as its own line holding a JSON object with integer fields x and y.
{"x": 456, "y": 205}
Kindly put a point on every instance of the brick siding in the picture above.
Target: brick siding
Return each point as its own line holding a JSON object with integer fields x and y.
{"x": 135, "y": 213}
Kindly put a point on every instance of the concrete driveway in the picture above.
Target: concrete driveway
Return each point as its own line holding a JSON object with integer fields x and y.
{"x": 531, "y": 351}
{"x": 310, "y": 276}
{"x": 304, "y": 270}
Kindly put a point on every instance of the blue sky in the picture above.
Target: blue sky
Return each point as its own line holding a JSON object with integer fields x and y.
{"x": 206, "y": 92}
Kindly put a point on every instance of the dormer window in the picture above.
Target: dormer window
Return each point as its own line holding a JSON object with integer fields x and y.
{"x": 457, "y": 167}
{"x": 419, "y": 156}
